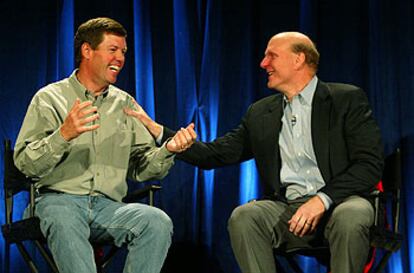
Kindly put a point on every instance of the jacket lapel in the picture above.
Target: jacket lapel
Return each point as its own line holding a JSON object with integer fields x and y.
{"x": 321, "y": 112}
{"x": 271, "y": 125}
{"x": 272, "y": 122}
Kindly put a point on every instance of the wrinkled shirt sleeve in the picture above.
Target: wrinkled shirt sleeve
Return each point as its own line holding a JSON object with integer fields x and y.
{"x": 39, "y": 146}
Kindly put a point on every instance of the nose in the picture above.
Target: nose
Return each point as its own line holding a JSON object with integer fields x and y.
{"x": 120, "y": 56}
{"x": 264, "y": 62}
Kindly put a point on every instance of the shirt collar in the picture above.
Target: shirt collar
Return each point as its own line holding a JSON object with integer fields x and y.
{"x": 309, "y": 90}
{"x": 306, "y": 95}
{"x": 81, "y": 90}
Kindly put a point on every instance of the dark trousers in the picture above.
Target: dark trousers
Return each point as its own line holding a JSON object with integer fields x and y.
{"x": 258, "y": 227}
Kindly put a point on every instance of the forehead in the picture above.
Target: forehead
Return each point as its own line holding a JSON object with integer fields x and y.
{"x": 278, "y": 45}
{"x": 113, "y": 39}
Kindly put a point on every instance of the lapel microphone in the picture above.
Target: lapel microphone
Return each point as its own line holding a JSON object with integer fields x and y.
{"x": 293, "y": 120}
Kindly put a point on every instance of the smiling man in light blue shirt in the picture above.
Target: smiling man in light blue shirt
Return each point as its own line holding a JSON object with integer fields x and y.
{"x": 319, "y": 154}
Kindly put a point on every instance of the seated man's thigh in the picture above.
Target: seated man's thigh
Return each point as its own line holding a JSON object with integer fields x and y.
{"x": 117, "y": 221}
{"x": 62, "y": 212}
{"x": 355, "y": 213}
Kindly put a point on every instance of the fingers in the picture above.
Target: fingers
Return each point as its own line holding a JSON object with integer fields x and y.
{"x": 191, "y": 131}
{"x": 137, "y": 105}
{"x": 90, "y": 128}
{"x": 182, "y": 140}
{"x": 89, "y": 119}
{"x": 138, "y": 112}
{"x": 307, "y": 227}
{"x": 88, "y": 111}
{"x": 81, "y": 114}
{"x": 78, "y": 105}
{"x": 131, "y": 112}
{"x": 300, "y": 225}
{"x": 307, "y": 217}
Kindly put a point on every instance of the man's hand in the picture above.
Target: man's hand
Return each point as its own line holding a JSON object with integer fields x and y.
{"x": 153, "y": 127}
{"x": 182, "y": 140}
{"x": 307, "y": 217}
{"x": 80, "y": 115}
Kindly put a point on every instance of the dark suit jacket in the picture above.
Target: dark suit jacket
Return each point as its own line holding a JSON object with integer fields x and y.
{"x": 345, "y": 138}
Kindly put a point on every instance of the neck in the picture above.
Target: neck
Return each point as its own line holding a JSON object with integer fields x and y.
{"x": 86, "y": 79}
{"x": 296, "y": 86}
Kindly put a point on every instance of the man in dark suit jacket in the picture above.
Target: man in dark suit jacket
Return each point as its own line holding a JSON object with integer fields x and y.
{"x": 319, "y": 154}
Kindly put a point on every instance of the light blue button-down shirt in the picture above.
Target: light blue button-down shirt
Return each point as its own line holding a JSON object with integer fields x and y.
{"x": 300, "y": 173}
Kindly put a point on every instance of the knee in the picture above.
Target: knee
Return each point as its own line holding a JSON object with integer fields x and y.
{"x": 157, "y": 221}
{"x": 242, "y": 217}
{"x": 353, "y": 219}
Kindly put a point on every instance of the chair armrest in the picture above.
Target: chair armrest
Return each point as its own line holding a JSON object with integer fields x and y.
{"x": 147, "y": 191}
{"x": 22, "y": 230}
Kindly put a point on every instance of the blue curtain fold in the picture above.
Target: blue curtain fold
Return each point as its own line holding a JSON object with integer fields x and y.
{"x": 198, "y": 61}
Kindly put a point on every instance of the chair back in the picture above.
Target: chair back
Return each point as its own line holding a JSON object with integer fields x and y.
{"x": 391, "y": 181}
{"x": 385, "y": 233}
{"x": 391, "y": 177}
{"x": 14, "y": 180}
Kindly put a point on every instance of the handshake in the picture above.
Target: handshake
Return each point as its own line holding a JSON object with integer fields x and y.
{"x": 181, "y": 141}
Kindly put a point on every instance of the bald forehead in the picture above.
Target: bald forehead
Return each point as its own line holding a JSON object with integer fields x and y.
{"x": 290, "y": 38}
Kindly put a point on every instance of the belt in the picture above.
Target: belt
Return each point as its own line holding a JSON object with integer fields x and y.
{"x": 47, "y": 190}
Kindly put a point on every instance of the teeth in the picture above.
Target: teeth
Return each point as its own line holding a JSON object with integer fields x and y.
{"x": 114, "y": 68}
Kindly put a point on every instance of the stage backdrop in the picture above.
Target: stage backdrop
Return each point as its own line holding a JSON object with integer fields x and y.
{"x": 198, "y": 60}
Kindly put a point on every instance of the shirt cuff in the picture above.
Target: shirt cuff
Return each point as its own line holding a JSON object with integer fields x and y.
{"x": 164, "y": 151}
{"x": 326, "y": 200}
{"x": 159, "y": 138}
{"x": 57, "y": 141}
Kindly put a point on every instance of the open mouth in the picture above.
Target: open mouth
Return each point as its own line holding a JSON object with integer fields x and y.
{"x": 114, "y": 68}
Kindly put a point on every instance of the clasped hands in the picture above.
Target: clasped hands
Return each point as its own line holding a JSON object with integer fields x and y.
{"x": 307, "y": 217}
{"x": 181, "y": 141}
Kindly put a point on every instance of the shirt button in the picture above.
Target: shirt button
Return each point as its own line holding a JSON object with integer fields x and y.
{"x": 299, "y": 154}
{"x": 308, "y": 172}
{"x": 97, "y": 174}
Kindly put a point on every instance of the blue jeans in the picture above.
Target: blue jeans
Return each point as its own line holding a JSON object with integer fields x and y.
{"x": 71, "y": 222}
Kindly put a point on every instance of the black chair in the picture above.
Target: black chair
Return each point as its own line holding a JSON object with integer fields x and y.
{"x": 384, "y": 234}
{"x": 17, "y": 232}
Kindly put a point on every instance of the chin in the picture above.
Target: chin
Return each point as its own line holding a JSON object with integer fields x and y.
{"x": 112, "y": 81}
{"x": 270, "y": 85}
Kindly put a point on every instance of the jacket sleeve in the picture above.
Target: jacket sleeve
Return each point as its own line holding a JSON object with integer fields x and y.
{"x": 364, "y": 151}
{"x": 233, "y": 147}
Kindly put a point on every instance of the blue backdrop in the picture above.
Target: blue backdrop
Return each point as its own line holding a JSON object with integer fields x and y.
{"x": 198, "y": 60}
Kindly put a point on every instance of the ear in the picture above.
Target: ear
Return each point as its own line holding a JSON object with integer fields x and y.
{"x": 300, "y": 60}
{"x": 86, "y": 51}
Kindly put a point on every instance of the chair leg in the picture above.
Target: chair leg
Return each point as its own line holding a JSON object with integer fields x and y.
{"x": 27, "y": 258}
{"x": 7, "y": 257}
{"x": 383, "y": 262}
{"x": 47, "y": 257}
{"x": 108, "y": 257}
